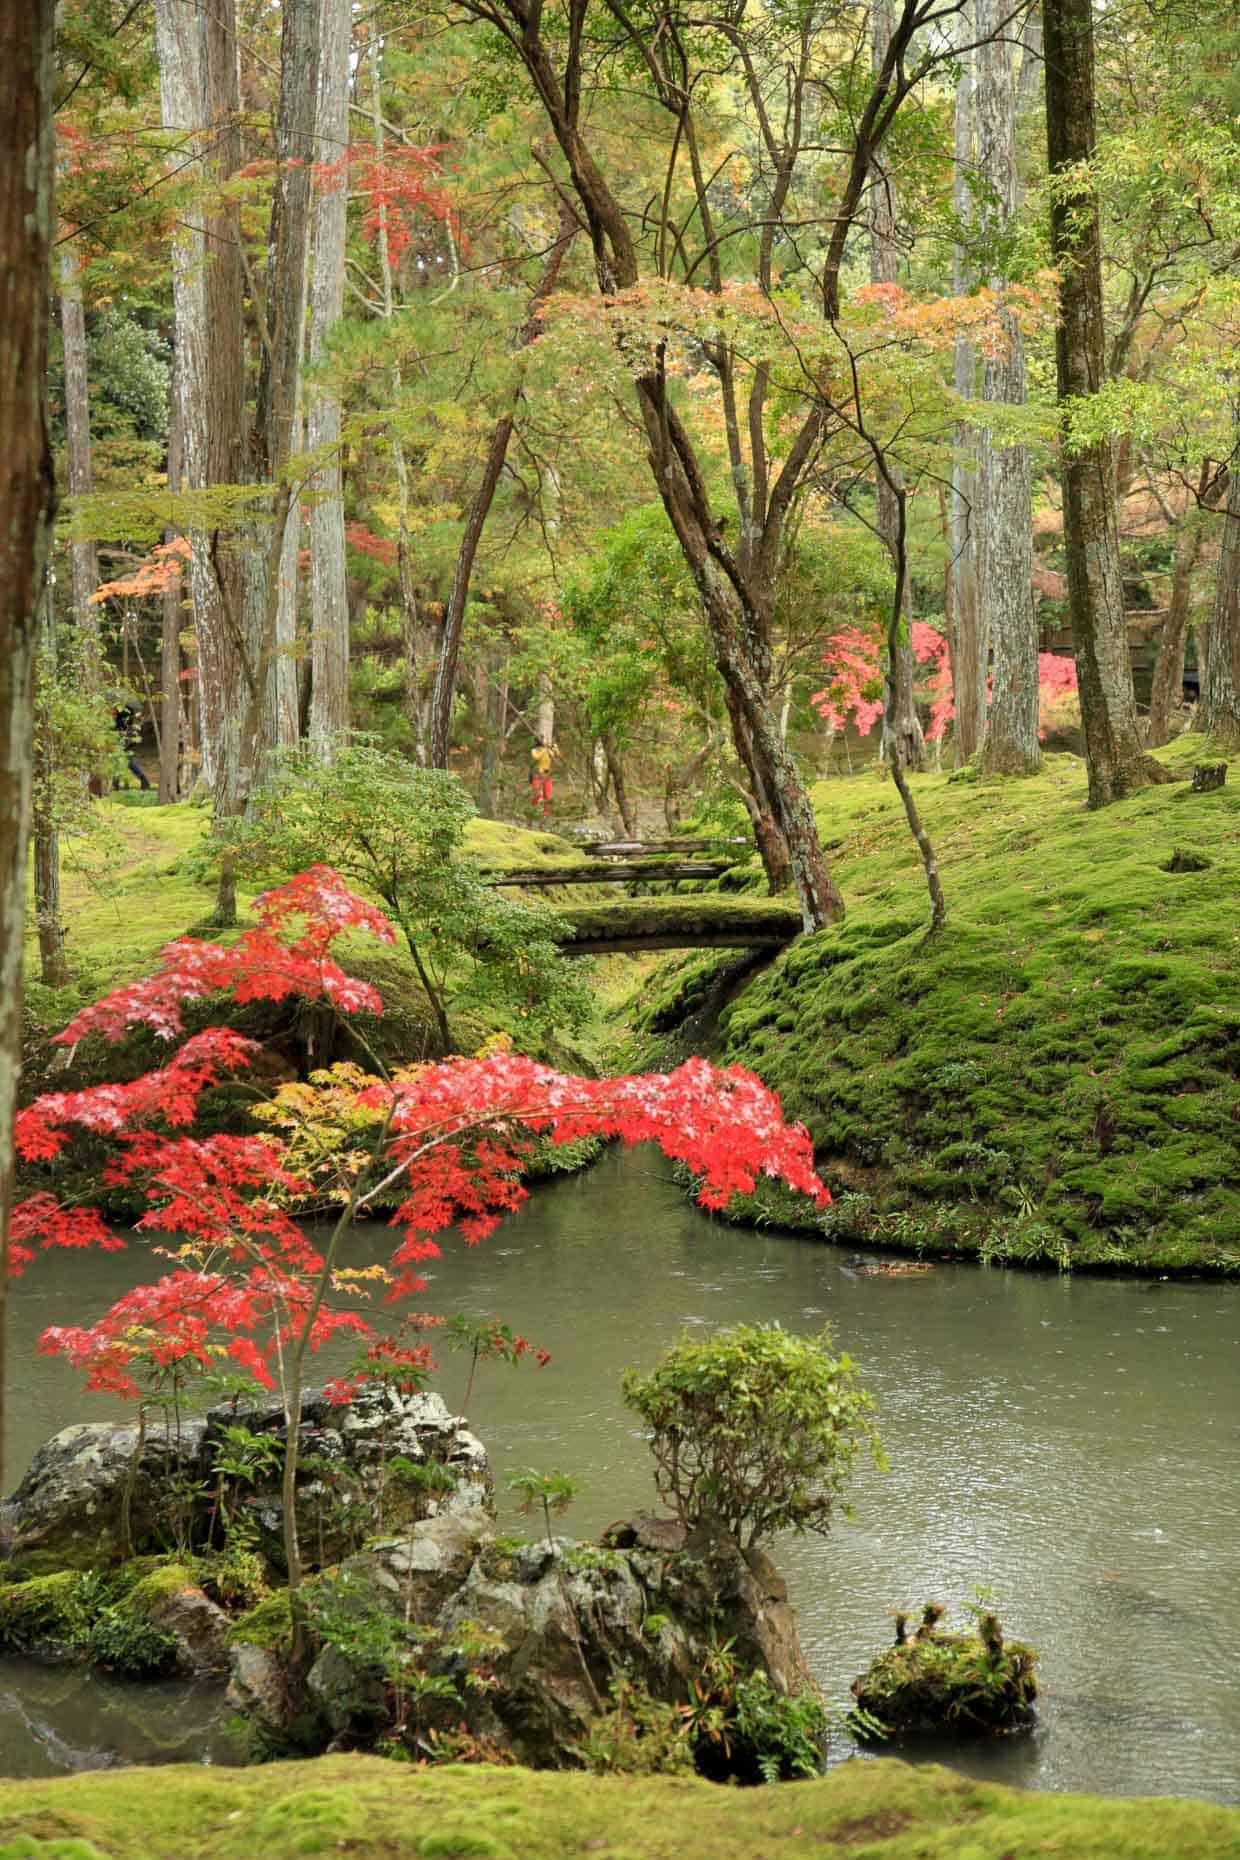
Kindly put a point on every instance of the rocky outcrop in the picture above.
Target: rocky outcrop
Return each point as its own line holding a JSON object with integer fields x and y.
{"x": 101, "y": 1490}
{"x": 518, "y": 1646}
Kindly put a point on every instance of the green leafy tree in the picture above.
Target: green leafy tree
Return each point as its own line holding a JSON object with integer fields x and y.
{"x": 755, "y": 1427}
{"x": 399, "y": 831}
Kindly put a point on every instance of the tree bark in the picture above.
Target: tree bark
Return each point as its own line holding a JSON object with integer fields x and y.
{"x": 1005, "y": 478}
{"x": 329, "y": 605}
{"x": 968, "y": 643}
{"x": 84, "y": 564}
{"x": 170, "y": 642}
{"x": 1114, "y": 754}
{"x": 1220, "y": 680}
{"x": 1167, "y": 690}
{"x": 27, "y": 499}
{"x": 904, "y": 737}
{"x": 49, "y": 925}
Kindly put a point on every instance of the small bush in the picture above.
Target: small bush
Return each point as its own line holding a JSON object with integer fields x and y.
{"x": 754, "y": 1427}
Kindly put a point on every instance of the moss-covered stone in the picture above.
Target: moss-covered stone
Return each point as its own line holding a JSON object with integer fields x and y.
{"x": 938, "y": 1683}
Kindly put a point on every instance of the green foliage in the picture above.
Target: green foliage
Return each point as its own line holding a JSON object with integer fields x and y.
{"x": 553, "y": 1491}
{"x": 741, "y": 1727}
{"x": 934, "y": 1681}
{"x": 636, "y": 1736}
{"x": 755, "y": 1427}
{"x": 399, "y": 832}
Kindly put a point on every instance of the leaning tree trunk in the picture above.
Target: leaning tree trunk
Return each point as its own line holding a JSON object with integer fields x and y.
{"x": 903, "y": 735}
{"x": 1114, "y": 754}
{"x": 444, "y": 690}
{"x": 83, "y": 560}
{"x": 26, "y": 504}
{"x": 329, "y": 604}
{"x": 968, "y": 644}
{"x": 1167, "y": 690}
{"x": 1220, "y": 674}
{"x": 1005, "y": 479}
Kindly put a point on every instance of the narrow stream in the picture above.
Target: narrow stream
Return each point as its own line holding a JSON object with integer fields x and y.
{"x": 1069, "y": 1442}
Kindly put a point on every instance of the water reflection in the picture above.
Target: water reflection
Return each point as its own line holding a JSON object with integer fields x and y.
{"x": 1069, "y": 1442}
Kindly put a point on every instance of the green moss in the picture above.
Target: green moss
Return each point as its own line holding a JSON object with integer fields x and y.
{"x": 268, "y": 1624}
{"x": 1061, "y": 1065}
{"x": 376, "y": 1810}
{"x": 43, "y": 1611}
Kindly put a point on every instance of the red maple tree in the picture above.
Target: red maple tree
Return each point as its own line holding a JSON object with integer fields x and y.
{"x": 442, "y": 1145}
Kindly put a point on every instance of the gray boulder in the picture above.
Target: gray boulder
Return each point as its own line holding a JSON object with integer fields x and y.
{"x": 521, "y": 1645}
{"x": 102, "y": 1490}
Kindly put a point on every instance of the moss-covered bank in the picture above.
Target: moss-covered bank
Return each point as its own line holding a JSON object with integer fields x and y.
{"x": 373, "y": 1810}
{"x": 1053, "y": 1079}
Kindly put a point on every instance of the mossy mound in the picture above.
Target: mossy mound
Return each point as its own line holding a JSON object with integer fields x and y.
{"x": 935, "y": 1682}
{"x": 106, "y": 1618}
{"x": 374, "y": 1810}
{"x": 1056, "y": 1077}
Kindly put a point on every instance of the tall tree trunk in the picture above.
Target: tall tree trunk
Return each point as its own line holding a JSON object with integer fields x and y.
{"x": 904, "y": 736}
{"x": 615, "y": 768}
{"x": 83, "y": 560}
{"x": 170, "y": 641}
{"x": 1005, "y": 479}
{"x": 968, "y": 643}
{"x": 1114, "y": 754}
{"x": 444, "y": 689}
{"x": 1167, "y": 690}
{"x": 1220, "y": 674}
{"x": 26, "y": 503}
{"x": 492, "y": 698}
{"x": 49, "y": 925}
{"x": 329, "y": 605}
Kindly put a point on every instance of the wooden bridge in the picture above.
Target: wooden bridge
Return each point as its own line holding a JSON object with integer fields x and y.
{"x": 708, "y": 921}
{"x": 701, "y": 920}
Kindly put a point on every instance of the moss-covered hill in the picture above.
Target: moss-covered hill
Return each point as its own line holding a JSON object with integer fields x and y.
{"x": 374, "y": 1810}
{"x": 1055, "y": 1077}
{"x": 145, "y": 880}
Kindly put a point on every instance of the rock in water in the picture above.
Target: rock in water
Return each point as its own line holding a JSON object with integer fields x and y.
{"x": 94, "y": 1485}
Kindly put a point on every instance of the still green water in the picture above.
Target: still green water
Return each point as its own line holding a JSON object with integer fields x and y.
{"x": 1070, "y": 1442}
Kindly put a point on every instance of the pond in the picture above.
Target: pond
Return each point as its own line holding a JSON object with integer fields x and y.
{"x": 1069, "y": 1442}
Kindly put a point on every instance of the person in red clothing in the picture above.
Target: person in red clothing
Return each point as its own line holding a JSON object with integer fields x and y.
{"x": 542, "y": 758}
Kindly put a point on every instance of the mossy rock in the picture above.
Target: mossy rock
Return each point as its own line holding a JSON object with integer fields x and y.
{"x": 935, "y": 1683}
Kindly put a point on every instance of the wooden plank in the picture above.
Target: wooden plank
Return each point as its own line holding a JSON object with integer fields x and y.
{"x": 611, "y": 872}
{"x": 623, "y": 849}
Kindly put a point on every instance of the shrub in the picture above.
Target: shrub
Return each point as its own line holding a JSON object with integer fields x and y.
{"x": 755, "y": 1427}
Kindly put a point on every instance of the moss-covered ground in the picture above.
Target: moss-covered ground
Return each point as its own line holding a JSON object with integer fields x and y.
{"x": 1054, "y": 1077}
{"x": 373, "y": 1810}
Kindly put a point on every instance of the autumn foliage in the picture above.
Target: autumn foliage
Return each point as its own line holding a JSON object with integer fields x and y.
{"x": 439, "y": 1146}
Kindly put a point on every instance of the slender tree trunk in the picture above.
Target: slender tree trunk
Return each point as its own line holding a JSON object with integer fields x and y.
{"x": 49, "y": 925}
{"x": 444, "y": 689}
{"x": 329, "y": 605}
{"x": 492, "y": 689}
{"x": 904, "y": 738}
{"x": 968, "y": 642}
{"x": 83, "y": 560}
{"x": 1005, "y": 479}
{"x": 1167, "y": 690}
{"x": 615, "y": 768}
{"x": 1114, "y": 754}
{"x": 170, "y": 641}
{"x": 26, "y": 504}
{"x": 1220, "y": 674}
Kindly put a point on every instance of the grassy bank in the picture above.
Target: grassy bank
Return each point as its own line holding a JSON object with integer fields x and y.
{"x": 374, "y": 1810}
{"x": 1054, "y": 1079}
